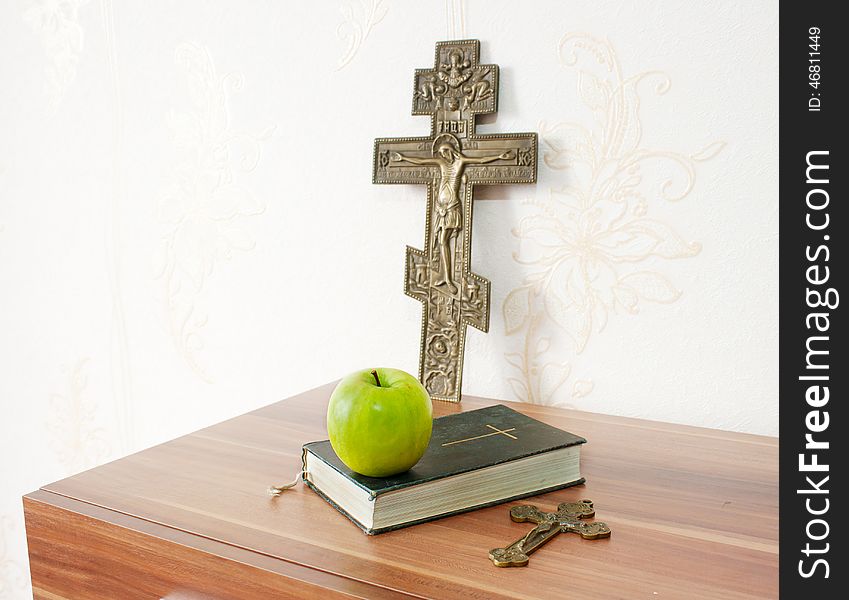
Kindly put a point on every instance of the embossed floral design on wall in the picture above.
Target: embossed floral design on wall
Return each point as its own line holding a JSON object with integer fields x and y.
{"x": 206, "y": 204}
{"x": 57, "y": 24}
{"x": 591, "y": 249}
{"x": 359, "y": 17}
{"x": 74, "y": 435}
{"x": 12, "y": 580}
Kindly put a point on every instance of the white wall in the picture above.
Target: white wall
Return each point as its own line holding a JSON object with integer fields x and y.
{"x": 188, "y": 229}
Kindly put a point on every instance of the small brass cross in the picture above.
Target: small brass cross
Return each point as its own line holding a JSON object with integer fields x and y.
{"x": 567, "y": 519}
{"x": 451, "y": 161}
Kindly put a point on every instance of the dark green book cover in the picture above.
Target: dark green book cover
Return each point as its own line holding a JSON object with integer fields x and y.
{"x": 460, "y": 443}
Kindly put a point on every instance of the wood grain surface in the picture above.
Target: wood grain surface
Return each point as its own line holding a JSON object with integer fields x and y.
{"x": 694, "y": 514}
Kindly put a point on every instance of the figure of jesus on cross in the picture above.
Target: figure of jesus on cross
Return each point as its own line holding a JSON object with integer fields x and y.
{"x": 449, "y": 216}
{"x": 451, "y": 161}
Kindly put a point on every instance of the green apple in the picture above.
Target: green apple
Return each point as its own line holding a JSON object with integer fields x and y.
{"x": 379, "y": 421}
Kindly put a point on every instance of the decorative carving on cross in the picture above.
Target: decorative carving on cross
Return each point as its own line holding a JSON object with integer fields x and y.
{"x": 567, "y": 519}
{"x": 451, "y": 161}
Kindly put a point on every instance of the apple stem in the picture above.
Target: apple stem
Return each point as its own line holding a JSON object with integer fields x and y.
{"x": 376, "y": 378}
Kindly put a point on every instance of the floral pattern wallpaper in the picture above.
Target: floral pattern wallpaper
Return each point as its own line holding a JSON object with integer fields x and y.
{"x": 56, "y": 23}
{"x": 188, "y": 230}
{"x": 12, "y": 576}
{"x": 206, "y": 205}
{"x": 359, "y": 17}
{"x": 585, "y": 246}
{"x": 74, "y": 436}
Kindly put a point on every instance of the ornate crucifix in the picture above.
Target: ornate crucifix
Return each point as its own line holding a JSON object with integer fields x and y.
{"x": 451, "y": 161}
{"x": 567, "y": 519}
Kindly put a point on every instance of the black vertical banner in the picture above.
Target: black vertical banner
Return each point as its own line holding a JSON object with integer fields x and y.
{"x": 813, "y": 360}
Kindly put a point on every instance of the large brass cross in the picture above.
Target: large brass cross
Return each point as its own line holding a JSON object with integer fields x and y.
{"x": 451, "y": 161}
{"x": 568, "y": 519}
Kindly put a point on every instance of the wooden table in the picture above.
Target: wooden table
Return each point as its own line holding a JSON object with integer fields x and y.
{"x": 694, "y": 514}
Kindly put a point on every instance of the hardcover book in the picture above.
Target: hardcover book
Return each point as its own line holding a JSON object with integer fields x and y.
{"x": 474, "y": 459}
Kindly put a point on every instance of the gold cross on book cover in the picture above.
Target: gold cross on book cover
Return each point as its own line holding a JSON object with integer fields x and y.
{"x": 451, "y": 161}
{"x": 495, "y": 431}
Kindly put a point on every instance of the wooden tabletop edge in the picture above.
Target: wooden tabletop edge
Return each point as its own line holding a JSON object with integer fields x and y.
{"x": 144, "y": 525}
